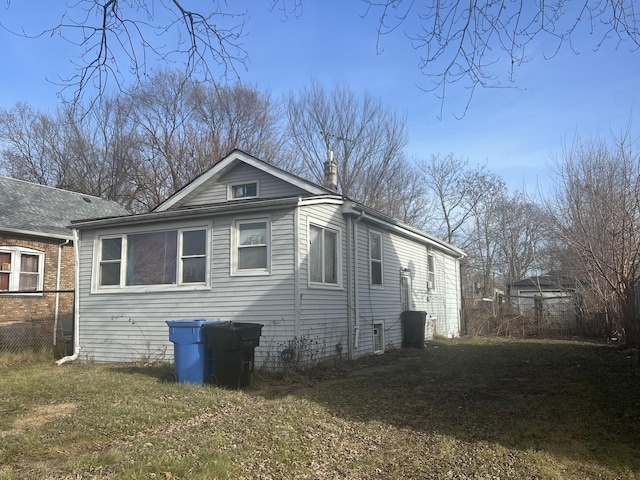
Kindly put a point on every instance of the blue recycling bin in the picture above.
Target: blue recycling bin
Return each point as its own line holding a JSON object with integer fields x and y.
{"x": 192, "y": 357}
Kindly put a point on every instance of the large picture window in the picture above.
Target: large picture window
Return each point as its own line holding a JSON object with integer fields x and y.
{"x": 21, "y": 269}
{"x": 169, "y": 257}
{"x": 252, "y": 246}
{"x": 323, "y": 255}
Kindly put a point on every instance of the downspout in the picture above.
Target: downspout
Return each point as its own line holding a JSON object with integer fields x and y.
{"x": 350, "y": 305}
{"x": 76, "y": 303}
{"x": 357, "y": 281}
{"x": 57, "y": 304}
{"x": 296, "y": 272}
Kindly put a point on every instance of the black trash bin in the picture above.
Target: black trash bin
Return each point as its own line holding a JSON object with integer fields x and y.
{"x": 413, "y": 325}
{"x": 233, "y": 349}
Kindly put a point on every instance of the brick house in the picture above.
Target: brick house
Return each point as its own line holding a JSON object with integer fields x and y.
{"x": 37, "y": 265}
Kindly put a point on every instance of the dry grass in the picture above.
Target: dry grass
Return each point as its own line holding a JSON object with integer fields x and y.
{"x": 483, "y": 409}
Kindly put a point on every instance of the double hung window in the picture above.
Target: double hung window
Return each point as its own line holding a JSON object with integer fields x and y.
{"x": 323, "y": 255}
{"x": 431, "y": 273}
{"x": 252, "y": 246}
{"x": 375, "y": 257}
{"x": 169, "y": 257}
{"x": 21, "y": 269}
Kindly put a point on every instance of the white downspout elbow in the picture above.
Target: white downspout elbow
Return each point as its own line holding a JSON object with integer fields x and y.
{"x": 76, "y": 303}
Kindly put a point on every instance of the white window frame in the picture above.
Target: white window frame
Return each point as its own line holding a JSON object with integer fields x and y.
{"x": 376, "y": 260}
{"x": 431, "y": 271}
{"x": 123, "y": 287}
{"x": 232, "y": 186}
{"x": 14, "y": 271}
{"x": 324, "y": 284}
{"x": 235, "y": 247}
{"x": 378, "y": 324}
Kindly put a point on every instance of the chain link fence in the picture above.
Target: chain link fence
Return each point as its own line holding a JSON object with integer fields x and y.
{"x": 37, "y": 321}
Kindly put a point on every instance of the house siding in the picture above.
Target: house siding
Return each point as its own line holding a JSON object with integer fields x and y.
{"x": 215, "y": 189}
{"x": 323, "y": 330}
{"x": 384, "y": 305}
{"x": 130, "y": 326}
{"x": 303, "y": 322}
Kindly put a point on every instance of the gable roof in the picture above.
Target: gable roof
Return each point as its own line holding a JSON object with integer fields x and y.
{"x": 174, "y": 207}
{"x": 230, "y": 161}
{"x": 32, "y": 209}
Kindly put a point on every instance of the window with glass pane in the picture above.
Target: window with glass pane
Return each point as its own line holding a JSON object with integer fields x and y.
{"x": 20, "y": 269}
{"x": 151, "y": 258}
{"x": 29, "y": 273}
{"x": 252, "y": 245}
{"x": 194, "y": 244}
{"x": 375, "y": 252}
{"x": 245, "y": 190}
{"x": 5, "y": 270}
{"x": 110, "y": 261}
{"x": 323, "y": 255}
{"x": 315, "y": 253}
{"x": 431, "y": 275}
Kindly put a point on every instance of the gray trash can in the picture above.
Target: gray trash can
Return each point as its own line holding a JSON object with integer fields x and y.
{"x": 233, "y": 348}
{"x": 413, "y": 328}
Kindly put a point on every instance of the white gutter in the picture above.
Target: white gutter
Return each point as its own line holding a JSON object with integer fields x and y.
{"x": 76, "y": 303}
{"x": 57, "y": 305}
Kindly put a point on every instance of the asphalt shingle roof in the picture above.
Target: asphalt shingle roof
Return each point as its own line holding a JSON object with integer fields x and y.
{"x": 46, "y": 211}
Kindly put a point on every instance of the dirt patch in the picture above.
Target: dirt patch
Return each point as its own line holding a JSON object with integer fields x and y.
{"x": 40, "y": 416}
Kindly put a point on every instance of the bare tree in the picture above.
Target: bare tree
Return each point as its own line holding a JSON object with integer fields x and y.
{"x": 144, "y": 144}
{"x": 240, "y": 116}
{"x": 455, "y": 189}
{"x": 458, "y": 40}
{"x": 31, "y": 145}
{"x": 114, "y": 37}
{"x": 522, "y": 231}
{"x": 471, "y": 41}
{"x": 365, "y": 138}
{"x": 596, "y": 206}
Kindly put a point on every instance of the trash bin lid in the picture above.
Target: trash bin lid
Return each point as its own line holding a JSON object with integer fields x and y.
{"x": 189, "y": 322}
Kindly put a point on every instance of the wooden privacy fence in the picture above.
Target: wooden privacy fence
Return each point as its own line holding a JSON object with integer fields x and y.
{"x": 36, "y": 320}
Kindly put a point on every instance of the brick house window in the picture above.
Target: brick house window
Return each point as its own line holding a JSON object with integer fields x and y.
{"x": 21, "y": 269}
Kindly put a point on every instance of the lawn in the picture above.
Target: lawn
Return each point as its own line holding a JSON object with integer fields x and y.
{"x": 472, "y": 409}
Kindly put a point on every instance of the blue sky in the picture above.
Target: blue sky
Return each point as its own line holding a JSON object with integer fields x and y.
{"x": 514, "y": 131}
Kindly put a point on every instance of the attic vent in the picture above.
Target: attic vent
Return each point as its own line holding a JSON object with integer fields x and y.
{"x": 86, "y": 199}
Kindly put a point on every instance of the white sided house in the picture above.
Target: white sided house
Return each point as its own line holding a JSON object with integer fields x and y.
{"x": 249, "y": 242}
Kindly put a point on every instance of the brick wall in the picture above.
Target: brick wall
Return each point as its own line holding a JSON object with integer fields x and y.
{"x": 41, "y": 307}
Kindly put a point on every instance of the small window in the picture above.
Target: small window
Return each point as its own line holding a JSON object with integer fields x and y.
{"x": 252, "y": 246}
{"x": 110, "y": 261}
{"x": 244, "y": 190}
{"x": 194, "y": 256}
{"x": 431, "y": 274}
{"x": 21, "y": 270}
{"x": 323, "y": 255}
{"x": 375, "y": 256}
